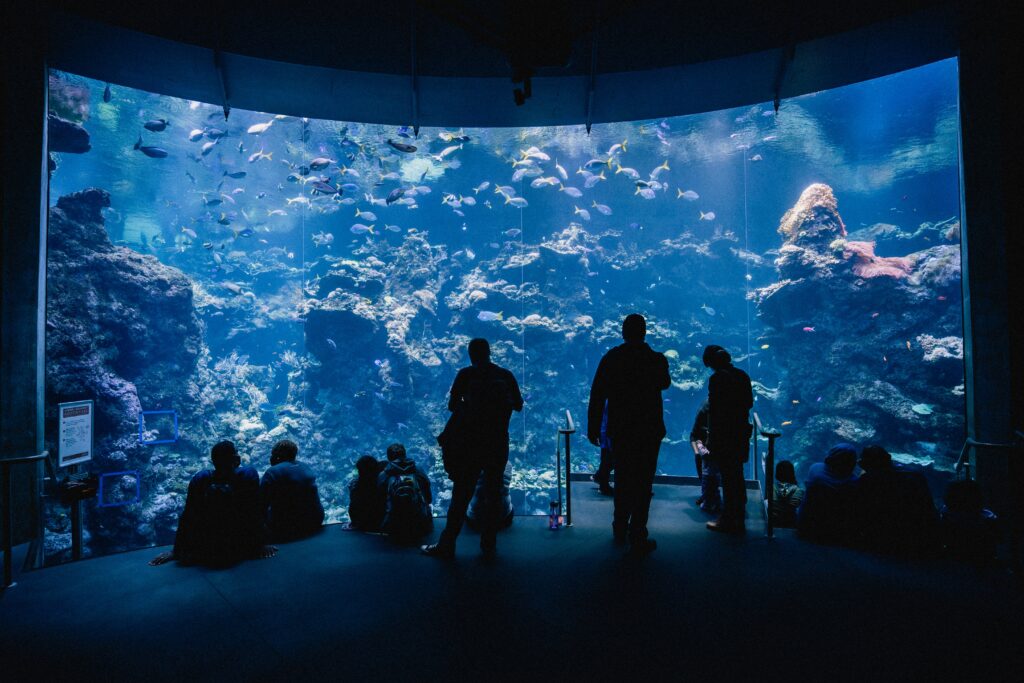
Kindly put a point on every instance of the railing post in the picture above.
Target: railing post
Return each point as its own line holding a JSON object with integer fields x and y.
{"x": 568, "y": 431}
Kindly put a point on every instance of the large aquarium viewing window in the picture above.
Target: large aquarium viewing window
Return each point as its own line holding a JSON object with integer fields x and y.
{"x": 269, "y": 276}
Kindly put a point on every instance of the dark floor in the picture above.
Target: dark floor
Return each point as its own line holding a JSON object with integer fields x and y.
{"x": 553, "y": 605}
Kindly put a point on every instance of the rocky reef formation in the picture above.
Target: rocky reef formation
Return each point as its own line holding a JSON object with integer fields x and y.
{"x": 867, "y": 345}
{"x": 122, "y": 330}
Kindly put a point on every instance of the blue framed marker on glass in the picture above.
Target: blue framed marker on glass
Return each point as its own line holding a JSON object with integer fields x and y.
{"x": 104, "y": 491}
{"x": 173, "y": 416}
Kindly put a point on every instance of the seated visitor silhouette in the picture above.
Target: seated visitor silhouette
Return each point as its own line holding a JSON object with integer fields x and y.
{"x": 629, "y": 381}
{"x": 895, "y": 511}
{"x": 827, "y": 514}
{"x": 787, "y": 495}
{"x": 474, "y": 443}
{"x": 289, "y": 495}
{"x": 710, "y": 499}
{"x": 407, "y": 496}
{"x": 969, "y": 531}
{"x": 222, "y": 522}
{"x": 365, "y": 497}
{"x": 730, "y": 398}
{"x": 483, "y": 509}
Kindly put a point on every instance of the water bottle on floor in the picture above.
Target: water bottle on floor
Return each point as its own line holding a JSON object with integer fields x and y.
{"x": 554, "y": 519}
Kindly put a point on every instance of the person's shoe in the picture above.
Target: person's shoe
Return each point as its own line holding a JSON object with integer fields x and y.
{"x": 619, "y": 534}
{"x": 439, "y": 550}
{"x": 642, "y": 547}
{"x": 726, "y": 526}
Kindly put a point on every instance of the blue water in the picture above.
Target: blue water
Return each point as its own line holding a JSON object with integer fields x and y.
{"x": 279, "y": 276}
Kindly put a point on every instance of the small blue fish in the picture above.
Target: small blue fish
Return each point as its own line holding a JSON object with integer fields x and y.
{"x": 332, "y": 344}
{"x": 490, "y": 316}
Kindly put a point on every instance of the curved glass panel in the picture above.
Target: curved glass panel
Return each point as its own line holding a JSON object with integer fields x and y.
{"x": 271, "y": 277}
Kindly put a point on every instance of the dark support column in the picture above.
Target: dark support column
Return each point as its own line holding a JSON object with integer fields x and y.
{"x": 22, "y": 251}
{"x": 992, "y": 307}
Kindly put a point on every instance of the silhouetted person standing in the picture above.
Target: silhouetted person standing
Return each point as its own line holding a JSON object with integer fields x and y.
{"x": 730, "y": 398}
{"x": 630, "y": 378}
{"x": 482, "y": 399}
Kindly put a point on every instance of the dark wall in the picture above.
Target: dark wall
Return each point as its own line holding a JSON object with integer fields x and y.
{"x": 23, "y": 210}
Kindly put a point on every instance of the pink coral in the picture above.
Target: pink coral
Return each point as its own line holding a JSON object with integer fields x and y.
{"x": 867, "y": 265}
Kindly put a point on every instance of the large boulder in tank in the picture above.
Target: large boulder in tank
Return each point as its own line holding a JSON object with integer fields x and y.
{"x": 121, "y": 330}
{"x": 862, "y": 339}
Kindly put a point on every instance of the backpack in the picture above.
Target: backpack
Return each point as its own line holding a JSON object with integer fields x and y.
{"x": 407, "y": 513}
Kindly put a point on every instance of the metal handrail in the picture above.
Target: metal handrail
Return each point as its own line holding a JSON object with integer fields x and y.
{"x": 8, "y": 515}
{"x": 768, "y": 469}
{"x": 963, "y": 463}
{"x": 567, "y": 432}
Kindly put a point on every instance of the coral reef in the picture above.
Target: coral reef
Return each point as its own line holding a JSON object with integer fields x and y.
{"x": 121, "y": 329}
{"x": 861, "y": 340}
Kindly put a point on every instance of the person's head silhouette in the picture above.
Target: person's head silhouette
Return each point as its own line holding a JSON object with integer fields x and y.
{"x": 284, "y": 451}
{"x": 784, "y": 472}
{"x": 479, "y": 352}
{"x": 224, "y": 456}
{"x": 716, "y": 358}
{"x": 396, "y": 451}
{"x": 634, "y": 328}
{"x": 875, "y": 458}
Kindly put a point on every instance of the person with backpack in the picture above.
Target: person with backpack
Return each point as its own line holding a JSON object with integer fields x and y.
{"x": 407, "y": 497}
{"x": 475, "y": 442}
{"x": 222, "y": 522}
{"x": 289, "y": 495}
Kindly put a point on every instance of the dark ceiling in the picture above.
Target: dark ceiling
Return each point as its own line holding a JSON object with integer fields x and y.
{"x": 463, "y": 38}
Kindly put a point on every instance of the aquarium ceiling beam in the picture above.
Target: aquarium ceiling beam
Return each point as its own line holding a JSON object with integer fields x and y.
{"x": 218, "y": 65}
{"x": 108, "y": 53}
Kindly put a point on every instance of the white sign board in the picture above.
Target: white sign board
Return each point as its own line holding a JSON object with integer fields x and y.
{"x": 75, "y": 445}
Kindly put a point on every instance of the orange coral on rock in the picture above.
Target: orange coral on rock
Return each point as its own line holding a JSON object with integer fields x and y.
{"x": 867, "y": 265}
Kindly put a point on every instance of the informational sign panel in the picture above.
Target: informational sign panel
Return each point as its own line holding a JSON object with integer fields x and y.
{"x": 75, "y": 439}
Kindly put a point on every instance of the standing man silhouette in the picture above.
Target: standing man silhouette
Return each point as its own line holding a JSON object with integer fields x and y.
{"x": 630, "y": 379}
{"x": 482, "y": 399}
{"x": 730, "y": 398}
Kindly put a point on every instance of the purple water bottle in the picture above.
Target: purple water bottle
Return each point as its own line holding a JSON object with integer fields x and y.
{"x": 554, "y": 519}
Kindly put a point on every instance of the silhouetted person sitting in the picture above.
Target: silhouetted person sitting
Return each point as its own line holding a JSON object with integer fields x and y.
{"x": 290, "y": 498}
{"x": 630, "y": 379}
{"x": 602, "y": 477}
{"x": 730, "y": 398}
{"x": 895, "y": 510}
{"x": 482, "y": 399}
{"x": 222, "y": 522}
{"x": 969, "y": 531}
{"x": 787, "y": 495}
{"x": 710, "y": 500}
{"x": 827, "y": 514}
{"x": 365, "y": 497}
{"x": 483, "y": 508}
{"x": 407, "y": 497}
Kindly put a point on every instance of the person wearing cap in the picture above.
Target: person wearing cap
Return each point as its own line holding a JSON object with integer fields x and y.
{"x": 730, "y": 398}
{"x": 629, "y": 381}
{"x": 827, "y": 514}
{"x": 222, "y": 522}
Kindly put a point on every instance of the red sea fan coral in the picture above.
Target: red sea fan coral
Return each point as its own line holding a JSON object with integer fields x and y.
{"x": 867, "y": 265}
